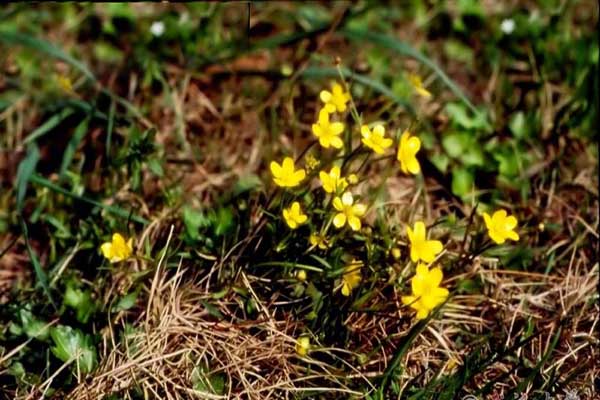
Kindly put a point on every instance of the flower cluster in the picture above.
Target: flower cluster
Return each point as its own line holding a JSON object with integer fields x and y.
{"x": 341, "y": 205}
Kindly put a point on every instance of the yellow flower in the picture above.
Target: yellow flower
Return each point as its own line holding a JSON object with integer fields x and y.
{"x": 420, "y": 247}
{"x": 417, "y": 84}
{"x": 336, "y": 99}
{"x": 302, "y": 345}
{"x": 64, "y": 82}
{"x": 318, "y": 241}
{"x": 311, "y": 162}
{"x": 352, "y": 179}
{"x": 293, "y": 215}
{"x": 332, "y": 181}
{"x": 351, "y": 277}
{"x": 118, "y": 249}
{"x": 501, "y": 227}
{"x": 426, "y": 291}
{"x": 407, "y": 150}
{"x": 301, "y": 275}
{"x": 327, "y": 132}
{"x": 375, "y": 139}
{"x": 348, "y": 212}
{"x": 285, "y": 175}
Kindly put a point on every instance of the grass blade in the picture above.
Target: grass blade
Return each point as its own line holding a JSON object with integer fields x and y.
{"x": 322, "y": 72}
{"x": 24, "y": 173}
{"x": 111, "y": 209}
{"x": 47, "y": 126}
{"x": 407, "y": 50}
{"x": 69, "y": 153}
{"x": 109, "y": 128}
{"x": 22, "y": 39}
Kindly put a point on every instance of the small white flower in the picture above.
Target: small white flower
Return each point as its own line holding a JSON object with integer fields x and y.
{"x": 157, "y": 28}
{"x": 507, "y": 26}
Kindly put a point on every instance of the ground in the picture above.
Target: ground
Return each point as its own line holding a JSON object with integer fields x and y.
{"x": 161, "y": 122}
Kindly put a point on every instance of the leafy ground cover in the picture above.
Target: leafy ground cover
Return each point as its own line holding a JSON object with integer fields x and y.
{"x": 299, "y": 200}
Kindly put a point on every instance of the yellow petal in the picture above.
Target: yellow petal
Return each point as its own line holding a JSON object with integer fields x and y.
{"x": 412, "y": 165}
{"x": 422, "y": 313}
{"x": 106, "y": 249}
{"x": 510, "y": 223}
{"x": 118, "y": 240}
{"x": 299, "y": 175}
{"x": 347, "y": 199}
{"x": 410, "y": 234}
{"x": 487, "y": 219}
{"x": 325, "y": 96}
{"x": 339, "y": 220}
{"x": 337, "y": 204}
{"x": 434, "y": 246}
{"x": 337, "y": 142}
{"x": 499, "y": 216}
{"x": 435, "y": 276}
{"x": 422, "y": 270}
{"x": 354, "y": 223}
{"x": 359, "y": 209}
{"x": 419, "y": 233}
{"x": 336, "y": 128}
{"x": 346, "y": 289}
{"x": 275, "y": 169}
{"x": 317, "y": 130}
{"x": 512, "y": 235}
{"x": 413, "y": 144}
{"x": 323, "y": 117}
{"x": 365, "y": 131}
{"x": 288, "y": 165}
{"x": 499, "y": 239}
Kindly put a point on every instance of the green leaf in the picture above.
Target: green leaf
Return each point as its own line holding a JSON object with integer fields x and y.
{"x": 224, "y": 221}
{"x": 81, "y": 301}
{"x": 212, "y": 310}
{"x": 518, "y": 125}
{"x": 127, "y": 301}
{"x": 461, "y": 117}
{"x": 32, "y": 326}
{"x": 455, "y": 143}
{"x": 462, "y": 181}
{"x": 194, "y": 220}
{"x": 508, "y": 164}
{"x": 246, "y": 183}
{"x": 72, "y": 344}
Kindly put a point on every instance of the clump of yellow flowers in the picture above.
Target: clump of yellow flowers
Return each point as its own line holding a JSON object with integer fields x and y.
{"x": 330, "y": 194}
{"x": 118, "y": 249}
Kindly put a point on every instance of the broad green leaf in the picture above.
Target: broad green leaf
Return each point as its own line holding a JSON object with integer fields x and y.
{"x": 32, "y": 326}
{"x": 81, "y": 301}
{"x": 71, "y": 344}
{"x": 462, "y": 181}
